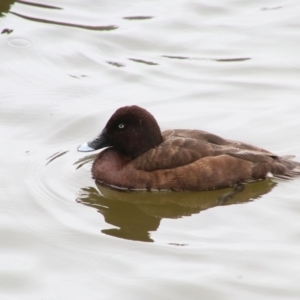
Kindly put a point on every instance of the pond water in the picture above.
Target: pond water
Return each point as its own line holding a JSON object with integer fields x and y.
{"x": 228, "y": 67}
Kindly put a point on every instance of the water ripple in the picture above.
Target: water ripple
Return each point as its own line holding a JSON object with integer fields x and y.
{"x": 96, "y": 28}
{"x": 236, "y": 59}
{"x": 38, "y": 4}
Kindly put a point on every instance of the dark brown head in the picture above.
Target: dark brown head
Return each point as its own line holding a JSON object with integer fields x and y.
{"x": 131, "y": 130}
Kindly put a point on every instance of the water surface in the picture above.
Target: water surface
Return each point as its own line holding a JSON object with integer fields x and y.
{"x": 230, "y": 67}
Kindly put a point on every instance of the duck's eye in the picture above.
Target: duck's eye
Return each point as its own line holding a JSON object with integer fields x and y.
{"x": 121, "y": 126}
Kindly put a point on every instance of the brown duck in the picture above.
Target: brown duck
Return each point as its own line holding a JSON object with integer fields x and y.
{"x": 141, "y": 157}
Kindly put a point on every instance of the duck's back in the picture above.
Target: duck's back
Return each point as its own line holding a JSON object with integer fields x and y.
{"x": 210, "y": 138}
{"x": 198, "y": 160}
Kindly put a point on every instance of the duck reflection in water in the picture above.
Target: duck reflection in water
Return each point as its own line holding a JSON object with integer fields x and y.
{"x": 137, "y": 214}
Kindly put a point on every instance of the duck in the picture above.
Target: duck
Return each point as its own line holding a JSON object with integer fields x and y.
{"x": 139, "y": 156}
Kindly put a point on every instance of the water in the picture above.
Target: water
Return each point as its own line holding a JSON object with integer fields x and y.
{"x": 231, "y": 68}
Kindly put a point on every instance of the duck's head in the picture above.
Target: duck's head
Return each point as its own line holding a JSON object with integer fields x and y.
{"x": 131, "y": 130}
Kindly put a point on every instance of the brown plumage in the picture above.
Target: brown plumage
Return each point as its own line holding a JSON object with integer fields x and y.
{"x": 140, "y": 156}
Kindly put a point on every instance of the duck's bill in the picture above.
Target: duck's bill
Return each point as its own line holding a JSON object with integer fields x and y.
{"x": 85, "y": 148}
{"x": 99, "y": 142}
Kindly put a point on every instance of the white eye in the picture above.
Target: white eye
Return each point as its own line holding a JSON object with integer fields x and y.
{"x": 121, "y": 126}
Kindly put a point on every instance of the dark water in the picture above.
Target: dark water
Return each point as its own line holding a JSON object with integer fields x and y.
{"x": 231, "y": 68}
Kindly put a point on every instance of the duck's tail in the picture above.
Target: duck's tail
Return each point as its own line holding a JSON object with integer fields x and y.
{"x": 292, "y": 168}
